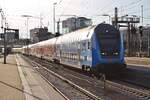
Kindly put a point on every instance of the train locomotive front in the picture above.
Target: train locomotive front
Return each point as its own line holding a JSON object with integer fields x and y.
{"x": 107, "y": 50}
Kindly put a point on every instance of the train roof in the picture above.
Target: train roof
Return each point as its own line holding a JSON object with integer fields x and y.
{"x": 46, "y": 42}
{"x": 79, "y": 35}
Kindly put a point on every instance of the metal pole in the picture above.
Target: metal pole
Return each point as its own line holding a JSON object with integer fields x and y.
{"x": 40, "y": 21}
{"x": 116, "y": 17}
{"x": 58, "y": 28}
{"x": 109, "y": 19}
{"x": 27, "y": 26}
{"x": 140, "y": 35}
{"x": 148, "y": 45}
{"x": 142, "y": 13}
{"x": 128, "y": 40}
{"x": 54, "y": 15}
{"x": 27, "y": 36}
{"x": 75, "y": 22}
{"x": 4, "y": 45}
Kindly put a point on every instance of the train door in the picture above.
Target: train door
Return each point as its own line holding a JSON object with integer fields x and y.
{"x": 79, "y": 52}
{"x": 86, "y": 54}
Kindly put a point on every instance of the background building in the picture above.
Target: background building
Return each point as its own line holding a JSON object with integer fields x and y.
{"x": 40, "y": 34}
{"x": 73, "y": 23}
{"x": 10, "y": 38}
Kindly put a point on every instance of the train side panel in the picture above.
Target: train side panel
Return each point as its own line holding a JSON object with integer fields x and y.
{"x": 74, "y": 49}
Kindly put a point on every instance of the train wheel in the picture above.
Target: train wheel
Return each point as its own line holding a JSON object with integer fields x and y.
{"x": 83, "y": 67}
{"x": 88, "y": 69}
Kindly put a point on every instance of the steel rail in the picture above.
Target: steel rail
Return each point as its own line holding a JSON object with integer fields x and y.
{"x": 53, "y": 86}
{"x": 110, "y": 84}
{"x": 89, "y": 94}
{"x": 128, "y": 90}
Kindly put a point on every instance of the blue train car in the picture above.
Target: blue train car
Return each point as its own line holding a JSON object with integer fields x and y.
{"x": 99, "y": 48}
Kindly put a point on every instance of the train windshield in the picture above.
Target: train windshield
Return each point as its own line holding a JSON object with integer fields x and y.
{"x": 109, "y": 40}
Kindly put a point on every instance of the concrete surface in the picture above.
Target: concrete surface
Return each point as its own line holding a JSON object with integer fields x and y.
{"x": 10, "y": 84}
{"x": 18, "y": 81}
{"x": 39, "y": 88}
{"x": 138, "y": 61}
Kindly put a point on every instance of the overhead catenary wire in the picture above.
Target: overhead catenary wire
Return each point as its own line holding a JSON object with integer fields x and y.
{"x": 110, "y": 10}
{"x": 135, "y": 5}
{"x": 136, "y": 12}
{"x": 63, "y": 11}
{"x": 124, "y": 8}
{"x": 60, "y": 1}
{"x": 104, "y": 7}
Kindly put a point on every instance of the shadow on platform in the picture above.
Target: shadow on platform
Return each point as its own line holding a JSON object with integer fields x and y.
{"x": 38, "y": 98}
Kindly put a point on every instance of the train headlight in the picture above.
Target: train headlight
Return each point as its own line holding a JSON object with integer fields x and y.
{"x": 116, "y": 53}
{"x": 103, "y": 53}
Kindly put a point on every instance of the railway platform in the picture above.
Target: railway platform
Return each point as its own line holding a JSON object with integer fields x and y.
{"x": 18, "y": 81}
{"x": 140, "y": 64}
{"x": 137, "y": 61}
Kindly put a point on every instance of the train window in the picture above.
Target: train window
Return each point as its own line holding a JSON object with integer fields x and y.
{"x": 89, "y": 44}
{"x": 82, "y": 58}
{"x": 83, "y": 46}
{"x": 66, "y": 55}
{"x": 85, "y": 58}
{"x": 63, "y": 55}
{"x": 73, "y": 56}
{"x": 78, "y": 45}
{"x": 76, "y": 56}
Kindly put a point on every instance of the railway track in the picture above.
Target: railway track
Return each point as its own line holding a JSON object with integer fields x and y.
{"x": 138, "y": 77}
{"x": 87, "y": 95}
{"x": 137, "y": 94}
{"x": 129, "y": 90}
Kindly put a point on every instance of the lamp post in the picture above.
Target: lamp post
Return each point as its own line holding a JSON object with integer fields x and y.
{"x": 148, "y": 44}
{"x": 54, "y": 4}
{"x": 4, "y": 29}
{"x": 27, "y": 16}
{"x": 140, "y": 52}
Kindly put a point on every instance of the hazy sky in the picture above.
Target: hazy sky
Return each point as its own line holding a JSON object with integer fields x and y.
{"x": 13, "y": 10}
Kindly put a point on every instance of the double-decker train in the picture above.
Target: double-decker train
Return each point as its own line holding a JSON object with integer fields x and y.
{"x": 98, "y": 48}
